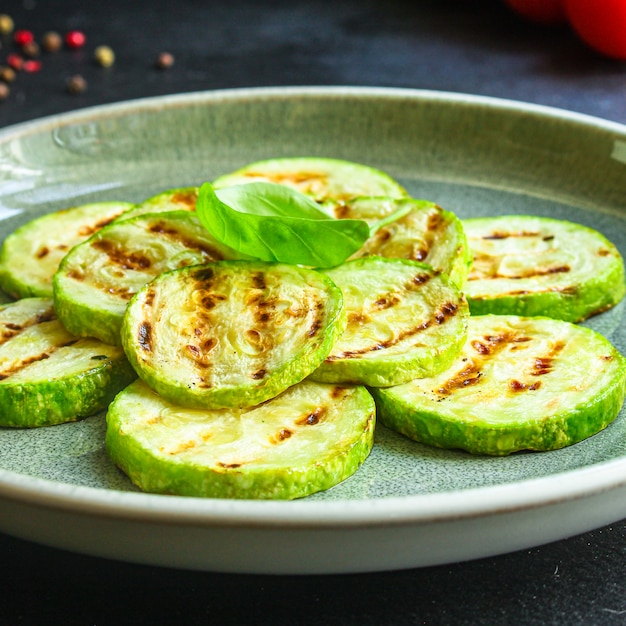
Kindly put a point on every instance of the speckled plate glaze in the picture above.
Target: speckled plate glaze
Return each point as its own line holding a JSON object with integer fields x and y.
{"x": 409, "y": 505}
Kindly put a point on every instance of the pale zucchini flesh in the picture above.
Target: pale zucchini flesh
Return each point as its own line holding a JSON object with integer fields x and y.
{"x": 325, "y": 180}
{"x": 520, "y": 383}
{"x": 404, "y": 320}
{"x": 425, "y": 233}
{"x": 48, "y": 376}
{"x": 305, "y": 440}
{"x": 231, "y": 333}
{"x": 31, "y": 254}
{"x": 97, "y": 279}
{"x": 525, "y": 265}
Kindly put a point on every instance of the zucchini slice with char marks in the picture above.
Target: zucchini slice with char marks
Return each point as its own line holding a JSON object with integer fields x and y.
{"x": 97, "y": 279}
{"x": 31, "y": 254}
{"x": 404, "y": 320}
{"x": 325, "y": 180}
{"x": 232, "y": 333}
{"x": 178, "y": 199}
{"x": 307, "y": 439}
{"x": 425, "y": 233}
{"x": 48, "y": 376}
{"x": 519, "y": 383}
{"x": 525, "y": 265}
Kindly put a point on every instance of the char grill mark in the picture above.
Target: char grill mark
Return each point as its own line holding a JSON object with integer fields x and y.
{"x": 282, "y": 435}
{"x": 89, "y": 229}
{"x": 17, "y": 367}
{"x": 468, "y": 376}
{"x": 25, "y": 363}
{"x": 316, "y": 324}
{"x": 144, "y": 336}
{"x": 164, "y": 229}
{"x": 545, "y": 364}
{"x": 118, "y": 256}
{"x": 516, "y": 386}
{"x": 296, "y": 178}
{"x": 445, "y": 312}
{"x": 187, "y": 198}
{"x": 521, "y": 233}
{"x": 313, "y": 417}
{"x": 9, "y": 330}
{"x": 488, "y": 347}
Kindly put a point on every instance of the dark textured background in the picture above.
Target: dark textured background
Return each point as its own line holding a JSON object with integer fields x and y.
{"x": 474, "y": 47}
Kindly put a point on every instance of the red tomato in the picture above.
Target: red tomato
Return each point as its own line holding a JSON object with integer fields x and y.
{"x": 542, "y": 11}
{"x": 601, "y": 24}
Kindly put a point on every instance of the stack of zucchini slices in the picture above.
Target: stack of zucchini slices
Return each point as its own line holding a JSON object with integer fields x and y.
{"x": 233, "y": 377}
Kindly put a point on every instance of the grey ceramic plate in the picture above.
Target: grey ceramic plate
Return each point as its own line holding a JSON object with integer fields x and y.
{"x": 409, "y": 505}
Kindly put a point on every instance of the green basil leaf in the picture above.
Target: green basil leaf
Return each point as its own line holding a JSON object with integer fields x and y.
{"x": 275, "y": 223}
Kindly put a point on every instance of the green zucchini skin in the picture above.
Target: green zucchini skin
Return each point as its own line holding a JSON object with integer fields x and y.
{"x": 308, "y": 439}
{"x": 48, "y": 376}
{"x": 97, "y": 279}
{"x": 326, "y": 180}
{"x": 533, "y": 266}
{"x": 31, "y": 254}
{"x": 404, "y": 320}
{"x": 231, "y": 333}
{"x": 520, "y": 383}
{"x": 426, "y": 233}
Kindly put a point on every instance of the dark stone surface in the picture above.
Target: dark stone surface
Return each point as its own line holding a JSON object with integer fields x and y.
{"x": 473, "y": 47}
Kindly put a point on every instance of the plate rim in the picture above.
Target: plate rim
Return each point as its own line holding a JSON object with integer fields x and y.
{"x": 467, "y": 503}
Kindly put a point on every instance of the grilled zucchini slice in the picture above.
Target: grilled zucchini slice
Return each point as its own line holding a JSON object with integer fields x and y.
{"x": 520, "y": 383}
{"x": 96, "y": 280}
{"x": 425, "y": 233}
{"x": 177, "y": 199}
{"x": 232, "y": 333}
{"x": 31, "y": 254}
{"x": 48, "y": 376}
{"x": 307, "y": 439}
{"x": 525, "y": 265}
{"x": 325, "y": 180}
{"x": 404, "y": 320}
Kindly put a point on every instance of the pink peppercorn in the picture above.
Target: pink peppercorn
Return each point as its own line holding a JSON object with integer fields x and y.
{"x": 75, "y": 39}
{"x": 15, "y": 61}
{"x": 23, "y": 37}
{"x": 31, "y": 65}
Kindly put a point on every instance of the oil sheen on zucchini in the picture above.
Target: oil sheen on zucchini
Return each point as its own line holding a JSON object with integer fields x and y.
{"x": 525, "y": 265}
{"x": 97, "y": 278}
{"x": 307, "y": 439}
{"x": 520, "y": 383}
{"x": 31, "y": 254}
{"x": 231, "y": 333}
{"x": 325, "y": 180}
{"x": 48, "y": 376}
{"x": 404, "y": 320}
{"x": 425, "y": 233}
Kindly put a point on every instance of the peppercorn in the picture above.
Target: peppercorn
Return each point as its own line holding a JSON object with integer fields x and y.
{"x": 7, "y": 74}
{"x": 6, "y": 24}
{"x": 4, "y": 91}
{"x": 15, "y": 61}
{"x": 165, "y": 60}
{"x": 104, "y": 56}
{"x": 23, "y": 37}
{"x": 31, "y": 49}
{"x": 51, "y": 41}
{"x": 75, "y": 39}
{"x": 32, "y": 65}
{"x": 76, "y": 84}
